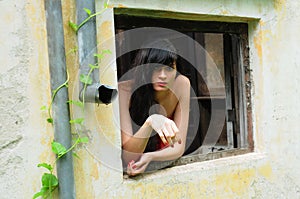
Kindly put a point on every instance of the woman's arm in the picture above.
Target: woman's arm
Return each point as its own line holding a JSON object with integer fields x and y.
{"x": 133, "y": 145}
{"x": 181, "y": 118}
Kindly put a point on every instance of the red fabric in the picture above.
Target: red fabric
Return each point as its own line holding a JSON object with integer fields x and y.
{"x": 161, "y": 145}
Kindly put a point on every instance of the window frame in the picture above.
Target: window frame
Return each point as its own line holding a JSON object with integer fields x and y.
{"x": 237, "y": 33}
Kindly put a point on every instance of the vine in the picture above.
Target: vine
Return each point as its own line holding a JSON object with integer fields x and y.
{"x": 76, "y": 27}
{"x": 49, "y": 179}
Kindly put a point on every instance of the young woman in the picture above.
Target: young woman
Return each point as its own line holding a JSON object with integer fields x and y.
{"x": 154, "y": 108}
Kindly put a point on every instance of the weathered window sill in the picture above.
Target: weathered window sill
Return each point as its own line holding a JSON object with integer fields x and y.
{"x": 250, "y": 159}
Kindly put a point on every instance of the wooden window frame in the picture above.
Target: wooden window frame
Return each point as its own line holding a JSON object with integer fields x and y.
{"x": 236, "y": 33}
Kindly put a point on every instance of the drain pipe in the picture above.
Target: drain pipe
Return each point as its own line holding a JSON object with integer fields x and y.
{"x": 60, "y": 108}
{"x": 87, "y": 47}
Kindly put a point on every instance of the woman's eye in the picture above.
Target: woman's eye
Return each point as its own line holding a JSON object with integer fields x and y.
{"x": 168, "y": 68}
{"x": 162, "y": 67}
{"x": 157, "y": 67}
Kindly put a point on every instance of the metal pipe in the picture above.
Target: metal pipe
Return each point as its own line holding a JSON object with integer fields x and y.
{"x": 87, "y": 47}
{"x": 60, "y": 108}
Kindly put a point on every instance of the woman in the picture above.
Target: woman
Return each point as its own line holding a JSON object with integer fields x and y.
{"x": 154, "y": 108}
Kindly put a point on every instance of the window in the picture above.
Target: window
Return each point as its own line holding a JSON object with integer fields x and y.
{"x": 227, "y": 98}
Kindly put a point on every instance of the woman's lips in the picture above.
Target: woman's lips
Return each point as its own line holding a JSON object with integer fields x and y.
{"x": 162, "y": 84}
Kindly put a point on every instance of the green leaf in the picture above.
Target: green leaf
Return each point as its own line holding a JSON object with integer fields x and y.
{"x": 43, "y": 108}
{"x": 74, "y": 26}
{"x": 93, "y": 66}
{"x": 84, "y": 140}
{"x": 49, "y": 180}
{"x": 103, "y": 52}
{"x": 105, "y": 5}
{"x": 43, "y": 192}
{"x": 107, "y": 51}
{"x": 77, "y": 121}
{"x": 50, "y": 120}
{"x": 100, "y": 56}
{"x": 85, "y": 79}
{"x": 38, "y": 194}
{"x": 45, "y": 165}
{"x": 58, "y": 148}
{"x": 77, "y": 103}
{"x": 88, "y": 11}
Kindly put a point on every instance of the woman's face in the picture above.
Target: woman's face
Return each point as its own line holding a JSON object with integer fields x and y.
{"x": 163, "y": 77}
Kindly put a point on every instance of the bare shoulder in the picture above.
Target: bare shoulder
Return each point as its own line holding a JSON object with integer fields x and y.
{"x": 125, "y": 86}
{"x": 182, "y": 82}
{"x": 124, "y": 90}
{"x": 182, "y": 87}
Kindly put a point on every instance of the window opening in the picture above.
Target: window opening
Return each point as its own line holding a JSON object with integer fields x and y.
{"x": 227, "y": 45}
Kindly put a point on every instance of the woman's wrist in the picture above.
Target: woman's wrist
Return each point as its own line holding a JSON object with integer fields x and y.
{"x": 148, "y": 122}
{"x": 148, "y": 156}
{"x": 147, "y": 128}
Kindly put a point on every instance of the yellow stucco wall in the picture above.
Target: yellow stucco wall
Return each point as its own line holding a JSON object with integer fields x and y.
{"x": 271, "y": 171}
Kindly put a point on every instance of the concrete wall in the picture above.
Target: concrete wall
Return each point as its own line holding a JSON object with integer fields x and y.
{"x": 25, "y": 137}
{"x": 270, "y": 172}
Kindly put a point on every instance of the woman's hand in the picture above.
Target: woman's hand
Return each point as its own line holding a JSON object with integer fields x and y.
{"x": 135, "y": 168}
{"x": 166, "y": 129}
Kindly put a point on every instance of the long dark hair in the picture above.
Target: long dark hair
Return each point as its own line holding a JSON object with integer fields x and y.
{"x": 161, "y": 52}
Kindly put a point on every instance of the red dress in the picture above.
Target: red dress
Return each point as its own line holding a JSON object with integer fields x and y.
{"x": 161, "y": 145}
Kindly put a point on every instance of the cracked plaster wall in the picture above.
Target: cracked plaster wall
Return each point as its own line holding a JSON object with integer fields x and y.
{"x": 24, "y": 88}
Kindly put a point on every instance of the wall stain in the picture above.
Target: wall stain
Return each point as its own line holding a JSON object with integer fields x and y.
{"x": 257, "y": 40}
{"x": 82, "y": 173}
{"x": 121, "y": 6}
{"x": 279, "y": 5}
{"x": 237, "y": 182}
{"x": 94, "y": 170}
{"x": 105, "y": 29}
{"x": 265, "y": 171}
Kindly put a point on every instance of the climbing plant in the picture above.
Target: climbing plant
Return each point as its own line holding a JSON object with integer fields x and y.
{"x": 49, "y": 180}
